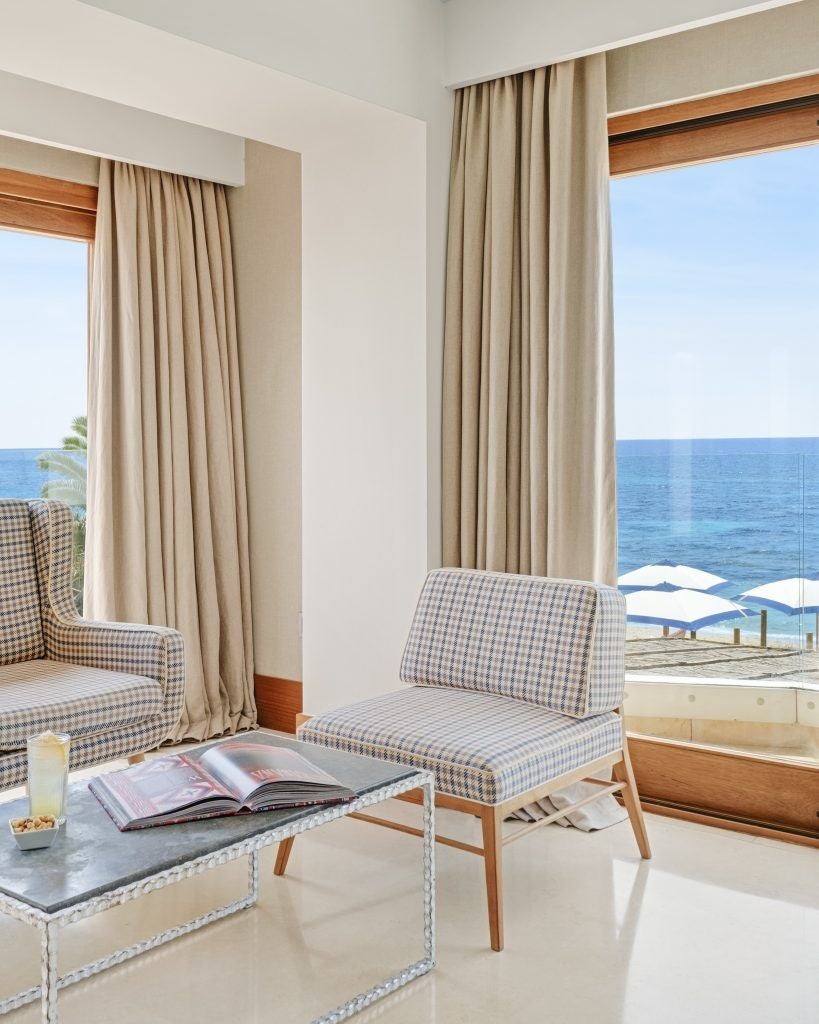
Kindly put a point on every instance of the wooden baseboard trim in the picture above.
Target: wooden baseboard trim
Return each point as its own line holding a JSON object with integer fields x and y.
{"x": 729, "y": 824}
{"x": 278, "y": 701}
{"x": 753, "y": 793}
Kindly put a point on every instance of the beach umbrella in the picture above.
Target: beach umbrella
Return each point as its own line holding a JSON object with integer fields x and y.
{"x": 791, "y": 596}
{"x": 680, "y": 607}
{"x": 676, "y": 574}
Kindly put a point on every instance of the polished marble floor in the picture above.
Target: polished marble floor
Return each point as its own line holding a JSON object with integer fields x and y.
{"x": 717, "y": 929}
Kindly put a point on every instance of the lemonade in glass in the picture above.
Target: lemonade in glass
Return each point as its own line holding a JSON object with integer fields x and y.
{"x": 48, "y": 774}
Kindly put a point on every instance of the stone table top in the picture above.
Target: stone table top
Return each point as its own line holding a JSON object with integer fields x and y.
{"x": 90, "y": 856}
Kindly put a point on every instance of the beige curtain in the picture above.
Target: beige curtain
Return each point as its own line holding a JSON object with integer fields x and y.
{"x": 167, "y": 509}
{"x": 528, "y": 422}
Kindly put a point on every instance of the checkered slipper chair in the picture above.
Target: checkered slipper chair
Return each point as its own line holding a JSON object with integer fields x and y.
{"x": 515, "y": 685}
{"x": 117, "y": 689}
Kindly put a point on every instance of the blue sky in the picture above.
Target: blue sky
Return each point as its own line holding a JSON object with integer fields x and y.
{"x": 43, "y": 301}
{"x": 716, "y": 290}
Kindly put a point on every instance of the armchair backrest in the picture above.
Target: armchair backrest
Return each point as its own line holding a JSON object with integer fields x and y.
{"x": 556, "y": 643}
{"x": 21, "y": 632}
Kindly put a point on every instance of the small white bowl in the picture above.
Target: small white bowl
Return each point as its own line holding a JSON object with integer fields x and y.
{"x": 38, "y": 840}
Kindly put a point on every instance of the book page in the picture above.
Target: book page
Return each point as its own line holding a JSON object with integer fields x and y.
{"x": 242, "y": 768}
{"x": 163, "y": 785}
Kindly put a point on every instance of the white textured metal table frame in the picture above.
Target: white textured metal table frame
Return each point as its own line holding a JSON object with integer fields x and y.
{"x": 49, "y": 924}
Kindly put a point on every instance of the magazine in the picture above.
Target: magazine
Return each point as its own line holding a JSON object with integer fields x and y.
{"x": 231, "y": 777}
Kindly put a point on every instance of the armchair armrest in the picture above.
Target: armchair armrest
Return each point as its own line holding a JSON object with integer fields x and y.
{"x": 153, "y": 651}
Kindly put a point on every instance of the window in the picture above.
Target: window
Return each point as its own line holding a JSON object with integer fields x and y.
{"x": 716, "y": 254}
{"x": 44, "y": 254}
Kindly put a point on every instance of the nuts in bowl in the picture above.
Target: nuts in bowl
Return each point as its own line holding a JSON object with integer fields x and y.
{"x": 36, "y": 824}
{"x": 35, "y": 832}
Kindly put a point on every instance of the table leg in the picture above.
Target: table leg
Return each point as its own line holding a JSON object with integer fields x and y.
{"x": 429, "y": 872}
{"x": 420, "y": 967}
{"x": 48, "y": 966}
{"x": 253, "y": 876}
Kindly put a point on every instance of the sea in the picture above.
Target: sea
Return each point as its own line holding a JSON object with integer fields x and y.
{"x": 20, "y": 476}
{"x": 744, "y": 508}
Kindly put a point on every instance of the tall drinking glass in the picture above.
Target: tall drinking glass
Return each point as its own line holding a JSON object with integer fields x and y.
{"x": 48, "y": 774}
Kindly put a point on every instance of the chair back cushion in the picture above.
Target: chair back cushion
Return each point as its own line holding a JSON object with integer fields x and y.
{"x": 21, "y": 634}
{"x": 556, "y": 643}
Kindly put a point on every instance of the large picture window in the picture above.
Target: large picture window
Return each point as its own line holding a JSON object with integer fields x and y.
{"x": 716, "y": 254}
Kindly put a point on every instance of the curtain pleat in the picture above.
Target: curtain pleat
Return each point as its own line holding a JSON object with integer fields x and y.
{"x": 528, "y": 420}
{"x": 167, "y": 505}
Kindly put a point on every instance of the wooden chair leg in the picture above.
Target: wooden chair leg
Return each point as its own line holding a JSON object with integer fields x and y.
{"x": 283, "y": 855}
{"x": 136, "y": 759}
{"x": 493, "y": 864}
{"x": 631, "y": 798}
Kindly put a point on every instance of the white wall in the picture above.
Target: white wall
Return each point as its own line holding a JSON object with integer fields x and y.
{"x": 364, "y": 412}
{"x": 781, "y": 43}
{"x": 41, "y": 112}
{"x": 489, "y": 38}
{"x": 364, "y": 268}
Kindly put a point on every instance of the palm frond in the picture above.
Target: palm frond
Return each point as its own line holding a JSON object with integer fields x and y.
{"x": 66, "y": 491}
{"x": 64, "y": 464}
{"x": 78, "y": 441}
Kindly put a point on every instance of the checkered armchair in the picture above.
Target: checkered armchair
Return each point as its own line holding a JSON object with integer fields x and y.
{"x": 514, "y": 690}
{"x": 117, "y": 688}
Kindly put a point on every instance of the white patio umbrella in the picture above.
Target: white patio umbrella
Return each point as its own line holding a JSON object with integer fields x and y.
{"x": 791, "y": 596}
{"x": 681, "y": 608}
{"x": 669, "y": 572}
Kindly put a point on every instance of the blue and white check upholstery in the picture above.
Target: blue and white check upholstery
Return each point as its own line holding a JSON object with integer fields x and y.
{"x": 514, "y": 682}
{"x": 556, "y": 643}
{"x": 129, "y": 704}
{"x": 21, "y": 635}
{"x": 479, "y": 746}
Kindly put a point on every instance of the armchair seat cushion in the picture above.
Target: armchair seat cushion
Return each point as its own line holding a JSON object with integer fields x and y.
{"x": 480, "y": 746}
{"x": 44, "y": 694}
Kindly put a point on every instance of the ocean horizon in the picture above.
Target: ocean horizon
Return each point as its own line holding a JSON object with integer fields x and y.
{"x": 744, "y": 508}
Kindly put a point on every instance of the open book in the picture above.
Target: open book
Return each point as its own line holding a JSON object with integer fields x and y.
{"x": 231, "y": 777}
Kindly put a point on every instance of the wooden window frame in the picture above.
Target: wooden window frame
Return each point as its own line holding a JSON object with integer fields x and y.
{"x": 752, "y": 793}
{"x": 47, "y": 206}
{"x": 776, "y": 116}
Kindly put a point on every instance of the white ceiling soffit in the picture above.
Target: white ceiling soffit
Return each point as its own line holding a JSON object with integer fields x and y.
{"x": 45, "y": 113}
{"x": 379, "y": 50}
{"x": 489, "y": 38}
{"x": 388, "y": 52}
{"x": 98, "y": 53}
{"x": 85, "y": 47}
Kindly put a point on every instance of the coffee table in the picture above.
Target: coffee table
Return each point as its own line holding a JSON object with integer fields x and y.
{"x": 92, "y": 866}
